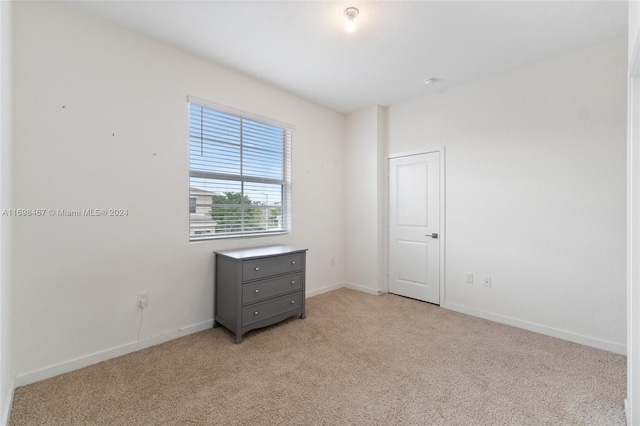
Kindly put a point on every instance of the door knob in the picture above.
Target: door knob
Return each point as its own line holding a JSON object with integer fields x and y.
{"x": 434, "y": 235}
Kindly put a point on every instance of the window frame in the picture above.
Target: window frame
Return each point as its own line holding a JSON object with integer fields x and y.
{"x": 196, "y": 234}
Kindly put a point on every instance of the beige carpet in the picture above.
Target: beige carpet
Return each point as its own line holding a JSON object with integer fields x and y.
{"x": 356, "y": 359}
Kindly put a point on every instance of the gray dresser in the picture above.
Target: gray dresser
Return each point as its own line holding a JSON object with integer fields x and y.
{"x": 259, "y": 286}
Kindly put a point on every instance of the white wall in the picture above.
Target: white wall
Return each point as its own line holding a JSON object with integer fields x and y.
{"x": 535, "y": 192}
{"x": 6, "y": 282}
{"x": 100, "y": 121}
{"x": 633, "y": 29}
{"x": 633, "y": 219}
{"x": 364, "y": 199}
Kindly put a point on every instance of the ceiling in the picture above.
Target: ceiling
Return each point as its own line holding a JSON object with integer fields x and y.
{"x": 303, "y": 48}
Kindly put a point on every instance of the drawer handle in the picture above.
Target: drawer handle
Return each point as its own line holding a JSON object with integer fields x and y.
{"x": 256, "y": 291}
{"x": 293, "y": 262}
{"x": 293, "y": 302}
{"x": 255, "y": 313}
{"x": 293, "y": 282}
{"x": 257, "y": 269}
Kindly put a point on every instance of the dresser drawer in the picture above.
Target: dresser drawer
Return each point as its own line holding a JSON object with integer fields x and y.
{"x": 264, "y": 310}
{"x": 260, "y": 268}
{"x": 264, "y": 289}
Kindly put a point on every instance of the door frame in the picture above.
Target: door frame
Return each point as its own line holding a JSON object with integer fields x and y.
{"x": 632, "y": 401}
{"x": 443, "y": 231}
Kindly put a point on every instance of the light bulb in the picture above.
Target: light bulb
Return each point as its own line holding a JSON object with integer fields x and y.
{"x": 351, "y": 25}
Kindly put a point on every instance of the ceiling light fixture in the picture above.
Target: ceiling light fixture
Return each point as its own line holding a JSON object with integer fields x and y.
{"x": 351, "y": 13}
{"x": 429, "y": 81}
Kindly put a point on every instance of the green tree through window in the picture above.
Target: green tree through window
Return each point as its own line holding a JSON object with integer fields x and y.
{"x": 233, "y": 212}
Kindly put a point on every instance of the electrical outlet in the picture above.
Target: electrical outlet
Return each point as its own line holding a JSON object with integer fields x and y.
{"x": 470, "y": 277}
{"x": 333, "y": 261}
{"x": 487, "y": 281}
{"x": 143, "y": 299}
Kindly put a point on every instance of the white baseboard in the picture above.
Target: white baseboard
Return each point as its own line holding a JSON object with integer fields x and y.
{"x": 7, "y": 404}
{"x": 351, "y": 286}
{"x": 324, "y": 290}
{"x": 549, "y": 331}
{"x": 363, "y": 289}
{"x": 84, "y": 361}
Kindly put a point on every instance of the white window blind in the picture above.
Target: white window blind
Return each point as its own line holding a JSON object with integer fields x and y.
{"x": 239, "y": 175}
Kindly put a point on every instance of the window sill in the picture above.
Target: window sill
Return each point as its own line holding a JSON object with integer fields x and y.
{"x": 225, "y": 236}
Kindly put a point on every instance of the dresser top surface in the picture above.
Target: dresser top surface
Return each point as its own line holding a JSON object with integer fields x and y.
{"x": 253, "y": 252}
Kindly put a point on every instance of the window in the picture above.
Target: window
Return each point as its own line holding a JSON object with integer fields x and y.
{"x": 239, "y": 175}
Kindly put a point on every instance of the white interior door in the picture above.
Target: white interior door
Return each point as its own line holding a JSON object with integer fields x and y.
{"x": 414, "y": 226}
